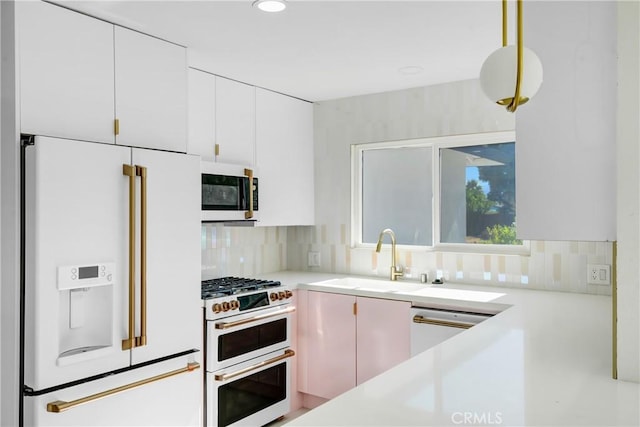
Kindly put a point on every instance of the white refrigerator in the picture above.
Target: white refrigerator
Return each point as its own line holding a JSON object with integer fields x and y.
{"x": 112, "y": 318}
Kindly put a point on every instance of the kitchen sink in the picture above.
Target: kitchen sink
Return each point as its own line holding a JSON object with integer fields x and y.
{"x": 457, "y": 294}
{"x": 373, "y": 285}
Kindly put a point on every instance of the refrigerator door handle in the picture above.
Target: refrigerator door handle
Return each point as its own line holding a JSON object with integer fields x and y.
{"x": 141, "y": 171}
{"x": 61, "y": 406}
{"x": 130, "y": 171}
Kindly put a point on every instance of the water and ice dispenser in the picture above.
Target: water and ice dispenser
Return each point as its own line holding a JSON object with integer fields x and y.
{"x": 86, "y": 321}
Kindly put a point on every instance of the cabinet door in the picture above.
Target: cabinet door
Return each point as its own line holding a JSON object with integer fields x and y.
{"x": 66, "y": 73}
{"x": 151, "y": 92}
{"x": 284, "y": 156}
{"x": 81, "y": 200}
{"x": 566, "y": 168}
{"x": 330, "y": 345}
{"x": 383, "y": 336}
{"x": 174, "y": 308}
{"x": 235, "y": 122}
{"x": 202, "y": 114}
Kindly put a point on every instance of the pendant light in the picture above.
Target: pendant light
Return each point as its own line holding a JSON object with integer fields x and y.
{"x": 511, "y": 75}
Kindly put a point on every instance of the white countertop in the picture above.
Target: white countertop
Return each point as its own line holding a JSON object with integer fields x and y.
{"x": 544, "y": 360}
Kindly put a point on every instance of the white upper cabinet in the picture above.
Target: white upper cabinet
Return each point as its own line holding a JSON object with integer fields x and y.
{"x": 566, "y": 135}
{"x": 66, "y": 73}
{"x": 235, "y": 122}
{"x": 76, "y": 71}
{"x": 151, "y": 92}
{"x": 284, "y": 155}
{"x": 202, "y": 114}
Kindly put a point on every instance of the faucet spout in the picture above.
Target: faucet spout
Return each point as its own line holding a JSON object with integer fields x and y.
{"x": 396, "y": 271}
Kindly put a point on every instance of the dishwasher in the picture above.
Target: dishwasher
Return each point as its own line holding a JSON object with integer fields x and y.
{"x": 431, "y": 326}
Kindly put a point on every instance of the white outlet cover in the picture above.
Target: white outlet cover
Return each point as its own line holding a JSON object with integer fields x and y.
{"x": 313, "y": 259}
{"x": 599, "y": 274}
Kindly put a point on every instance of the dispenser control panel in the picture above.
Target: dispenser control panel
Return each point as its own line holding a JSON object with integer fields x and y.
{"x": 85, "y": 276}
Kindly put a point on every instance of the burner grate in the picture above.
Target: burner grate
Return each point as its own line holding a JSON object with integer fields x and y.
{"x": 225, "y": 286}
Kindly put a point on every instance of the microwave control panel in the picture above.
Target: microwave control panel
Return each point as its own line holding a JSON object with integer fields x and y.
{"x": 85, "y": 276}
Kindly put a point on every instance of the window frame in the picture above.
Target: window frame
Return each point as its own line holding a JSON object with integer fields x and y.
{"x": 436, "y": 144}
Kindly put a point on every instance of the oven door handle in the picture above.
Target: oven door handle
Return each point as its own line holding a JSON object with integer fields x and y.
{"x": 224, "y": 377}
{"x": 227, "y": 325}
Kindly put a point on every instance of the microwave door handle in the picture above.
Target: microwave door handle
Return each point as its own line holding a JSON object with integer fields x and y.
{"x": 249, "y": 174}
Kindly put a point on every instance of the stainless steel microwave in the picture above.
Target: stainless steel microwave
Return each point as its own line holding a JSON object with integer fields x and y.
{"x": 229, "y": 193}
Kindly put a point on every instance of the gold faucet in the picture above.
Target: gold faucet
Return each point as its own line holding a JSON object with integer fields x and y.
{"x": 396, "y": 271}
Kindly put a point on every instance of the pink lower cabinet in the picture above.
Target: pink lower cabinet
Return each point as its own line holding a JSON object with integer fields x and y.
{"x": 344, "y": 340}
{"x": 326, "y": 339}
{"x": 382, "y": 336}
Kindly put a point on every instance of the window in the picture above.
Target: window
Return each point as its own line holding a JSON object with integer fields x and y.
{"x": 453, "y": 193}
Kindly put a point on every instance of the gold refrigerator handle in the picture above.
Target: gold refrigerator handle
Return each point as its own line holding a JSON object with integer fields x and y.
{"x": 141, "y": 171}
{"x": 61, "y": 406}
{"x": 224, "y": 377}
{"x": 130, "y": 171}
{"x": 249, "y": 174}
{"x": 422, "y": 319}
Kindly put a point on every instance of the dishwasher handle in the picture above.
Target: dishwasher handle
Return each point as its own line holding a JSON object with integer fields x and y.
{"x": 439, "y": 322}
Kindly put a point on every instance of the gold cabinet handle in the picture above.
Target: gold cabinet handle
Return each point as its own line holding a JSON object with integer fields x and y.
{"x": 141, "y": 171}
{"x": 249, "y": 173}
{"x": 130, "y": 171}
{"x": 61, "y": 406}
{"x": 227, "y": 325}
{"x": 224, "y": 377}
{"x": 438, "y": 322}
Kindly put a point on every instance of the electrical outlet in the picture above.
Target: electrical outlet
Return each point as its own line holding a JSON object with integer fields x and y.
{"x": 313, "y": 259}
{"x": 599, "y": 274}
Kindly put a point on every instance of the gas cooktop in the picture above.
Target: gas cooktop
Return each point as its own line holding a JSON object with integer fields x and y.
{"x": 225, "y": 286}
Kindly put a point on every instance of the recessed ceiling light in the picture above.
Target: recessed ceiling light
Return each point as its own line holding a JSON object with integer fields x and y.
{"x": 270, "y": 5}
{"x": 412, "y": 69}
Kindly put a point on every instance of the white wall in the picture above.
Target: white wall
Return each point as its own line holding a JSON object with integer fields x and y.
{"x": 628, "y": 205}
{"x": 9, "y": 222}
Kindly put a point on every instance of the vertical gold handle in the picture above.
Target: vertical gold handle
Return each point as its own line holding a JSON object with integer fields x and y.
{"x": 249, "y": 174}
{"x": 129, "y": 171}
{"x": 141, "y": 171}
{"x": 116, "y": 127}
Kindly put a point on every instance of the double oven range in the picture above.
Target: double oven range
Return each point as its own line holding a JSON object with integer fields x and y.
{"x": 247, "y": 354}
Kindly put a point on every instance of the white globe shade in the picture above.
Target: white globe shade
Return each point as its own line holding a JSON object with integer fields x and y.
{"x": 499, "y": 71}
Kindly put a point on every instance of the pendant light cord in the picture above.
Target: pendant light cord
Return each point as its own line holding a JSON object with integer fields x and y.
{"x": 504, "y": 23}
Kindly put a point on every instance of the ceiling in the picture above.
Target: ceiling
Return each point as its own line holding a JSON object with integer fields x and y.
{"x": 319, "y": 50}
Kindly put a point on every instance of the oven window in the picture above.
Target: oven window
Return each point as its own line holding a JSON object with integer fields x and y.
{"x": 248, "y": 395}
{"x": 234, "y": 344}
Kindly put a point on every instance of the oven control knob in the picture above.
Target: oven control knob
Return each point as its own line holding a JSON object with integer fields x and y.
{"x": 216, "y": 308}
{"x": 281, "y": 295}
{"x": 226, "y": 306}
{"x": 273, "y": 296}
{"x": 234, "y": 305}
{"x": 288, "y": 294}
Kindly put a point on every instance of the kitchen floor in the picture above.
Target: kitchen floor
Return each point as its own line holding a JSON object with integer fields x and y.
{"x": 287, "y": 418}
